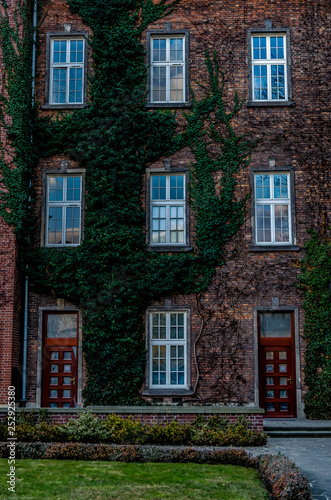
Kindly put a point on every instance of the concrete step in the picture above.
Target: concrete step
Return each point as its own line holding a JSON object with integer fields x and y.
{"x": 290, "y": 432}
{"x": 297, "y": 427}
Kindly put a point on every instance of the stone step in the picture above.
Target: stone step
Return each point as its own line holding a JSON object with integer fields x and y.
{"x": 297, "y": 432}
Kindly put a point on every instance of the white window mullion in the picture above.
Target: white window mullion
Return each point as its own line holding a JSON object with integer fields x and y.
{"x": 269, "y": 80}
{"x": 64, "y": 218}
{"x": 167, "y": 223}
{"x": 67, "y": 82}
{"x": 167, "y": 82}
{"x": 272, "y": 222}
{"x": 168, "y": 365}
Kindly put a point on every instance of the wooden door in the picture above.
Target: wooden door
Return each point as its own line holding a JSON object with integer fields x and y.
{"x": 60, "y": 360}
{"x": 277, "y": 365}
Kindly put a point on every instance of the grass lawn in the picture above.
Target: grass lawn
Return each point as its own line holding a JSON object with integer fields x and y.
{"x": 69, "y": 479}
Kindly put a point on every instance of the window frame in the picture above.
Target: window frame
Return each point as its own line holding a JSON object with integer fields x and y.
{"x": 274, "y": 246}
{"x": 168, "y": 390}
{"x": 65, "y": 172}
{"x": 268, "y": 32}
{"x": 167, "y": 34}
{"x": 64, "y": 36}
{"x": 167, "y": 246}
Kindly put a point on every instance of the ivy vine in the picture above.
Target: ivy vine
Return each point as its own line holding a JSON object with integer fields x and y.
{"x": 315, "y": 281}
{"x": 111, "y": 276}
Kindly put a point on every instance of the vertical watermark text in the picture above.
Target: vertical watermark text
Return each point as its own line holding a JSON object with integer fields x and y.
{"x": 11, "y": 439}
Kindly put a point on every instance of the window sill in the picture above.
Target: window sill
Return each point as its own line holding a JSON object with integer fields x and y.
{"x": 169, "y": 248}
{"x": 167, "y": 392}
{"x": 168, "y": 105}
{"x": 274, "y": 248}
{"x": 61, "y": 246}
{"x": 63, "y": 106}
{"x": 253, "y": 104}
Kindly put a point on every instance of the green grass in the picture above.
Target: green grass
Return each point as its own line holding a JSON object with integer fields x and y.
{"x": 69, "y": 479}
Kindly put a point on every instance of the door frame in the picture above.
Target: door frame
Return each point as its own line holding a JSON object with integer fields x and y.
{"x": 40, "y": 349}
{"x": 295, "y": 310}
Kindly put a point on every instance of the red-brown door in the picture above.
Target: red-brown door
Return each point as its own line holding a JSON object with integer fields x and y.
{"x": 60, "y": 360}
{"x": 277, "y": 364}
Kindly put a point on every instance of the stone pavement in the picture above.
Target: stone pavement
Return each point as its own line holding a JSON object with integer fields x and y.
{"x": 312, "y": 455}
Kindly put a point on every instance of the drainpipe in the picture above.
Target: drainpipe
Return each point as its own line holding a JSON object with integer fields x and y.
{"x": 26, "y": 287}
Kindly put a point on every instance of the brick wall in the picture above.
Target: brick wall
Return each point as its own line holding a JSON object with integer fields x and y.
{"x": 9, "y": 312}
{"x": 158, "y": 415}
{"x": 291, "y": 136}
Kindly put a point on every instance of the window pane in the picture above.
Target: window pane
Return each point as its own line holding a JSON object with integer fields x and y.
{"x": 275, "y": 324}
{"x": 76, "y": 85}
{"x": 72, "y": 225}
{"x": 159, "y": 83}
{"x": 176, "y": 83}
{"x": 176, "y": 49}
{"x": 281, "y": 223}
{"x": 76, "y": 51}
{"x": 55, "y": 189}
{"x": 59, "y": 85}
{"x": 260, "y": 82}
{"x": 55, "y": 226}
{"x": 73, "y": 188}
{"x": 61, "y": 325}
{"x": 59, "y": 51}
{"x": 263, "y": 223}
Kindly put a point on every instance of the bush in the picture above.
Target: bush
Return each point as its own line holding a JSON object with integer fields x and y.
{"x": 282, "y": 478}
{"x": 88, "y": 428}
{"x": 26, "y": 429}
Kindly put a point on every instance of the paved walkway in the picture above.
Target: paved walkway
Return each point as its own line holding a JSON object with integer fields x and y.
{"x": 312, "y": 455}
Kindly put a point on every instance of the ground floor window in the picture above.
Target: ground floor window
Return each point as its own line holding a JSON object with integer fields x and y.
{"x": 167, "y": 350}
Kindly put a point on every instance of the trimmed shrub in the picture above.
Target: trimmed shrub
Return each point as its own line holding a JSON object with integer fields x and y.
{"x": 282, "y": 478}
{"x": 88, "y": 428}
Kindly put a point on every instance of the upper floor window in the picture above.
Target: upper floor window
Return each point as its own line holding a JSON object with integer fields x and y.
{"x": 67, "y": 71}
{"x": 168, "y": 358}
{"x": 272, "y": 208}
{"x": 168, "y": 60}
{"x": 269, "y": 67}
{"x": 167, "y": 69}
{"x": 63, "y": 210}
{"x": 167, "y": 211}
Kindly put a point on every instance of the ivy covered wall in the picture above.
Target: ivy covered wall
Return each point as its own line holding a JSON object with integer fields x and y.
{"x": 127, "y": 138}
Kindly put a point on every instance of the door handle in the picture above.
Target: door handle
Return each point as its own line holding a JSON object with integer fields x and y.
{"x": 289, "y": 380}
{"x": 73, "y": 379}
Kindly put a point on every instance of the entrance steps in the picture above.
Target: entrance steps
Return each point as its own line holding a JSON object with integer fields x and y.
{"x": 296, "y": 427}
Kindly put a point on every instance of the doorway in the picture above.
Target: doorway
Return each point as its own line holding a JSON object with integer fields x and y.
{"x": 277, "y": 371}
{"x": 60, "y": 339}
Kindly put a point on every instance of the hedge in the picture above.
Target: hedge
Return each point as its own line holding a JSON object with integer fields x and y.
{"x": 282, "y": 478}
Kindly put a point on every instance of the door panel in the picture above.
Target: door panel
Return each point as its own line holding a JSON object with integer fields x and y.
{"x": 277, "y": 390}
{"x": 277, "y": 364}
{"x": 60, "y": 367}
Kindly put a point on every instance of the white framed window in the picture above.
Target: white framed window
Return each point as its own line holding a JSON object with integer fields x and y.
{"x": 272, "y": 208}
{"x": 167, "y": 353}
{"x": 269, "y": 67}
{"x": 167, "y": 210}
{"x": 63, "y": 210}
{"x": 67, "y": 59}
{"x": 167, "y": 61}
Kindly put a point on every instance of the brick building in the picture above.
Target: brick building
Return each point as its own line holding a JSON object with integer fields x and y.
{"x": 240, "y": 342}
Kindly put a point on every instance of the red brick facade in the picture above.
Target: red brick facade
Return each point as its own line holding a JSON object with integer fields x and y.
{"x": 296, "y": 137}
